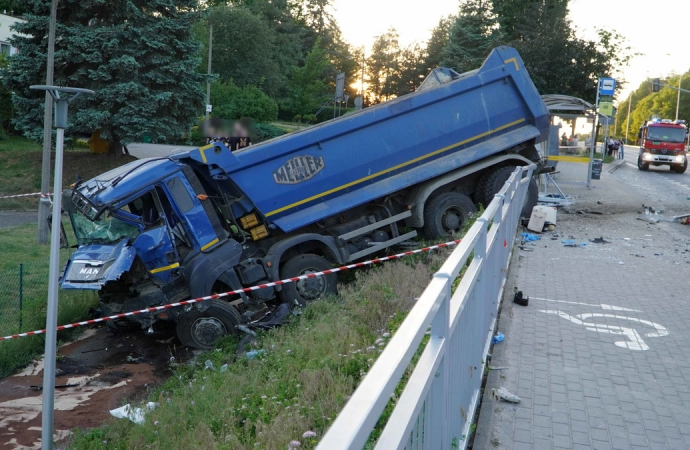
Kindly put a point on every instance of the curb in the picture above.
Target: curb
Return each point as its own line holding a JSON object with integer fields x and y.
{"x": 615, "y": 166}
{"x": 482, "y": 437}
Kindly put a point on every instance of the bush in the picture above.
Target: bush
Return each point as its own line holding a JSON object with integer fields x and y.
{"x": 266, "y": 131}
{"x": 234, "y": 103}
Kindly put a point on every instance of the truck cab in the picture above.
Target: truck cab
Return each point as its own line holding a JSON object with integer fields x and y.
{"x": 662, "y": 142}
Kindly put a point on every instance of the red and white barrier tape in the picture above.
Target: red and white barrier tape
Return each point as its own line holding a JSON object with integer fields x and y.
{"x": 25, "y": 195}
{"x": 239, "y": 291}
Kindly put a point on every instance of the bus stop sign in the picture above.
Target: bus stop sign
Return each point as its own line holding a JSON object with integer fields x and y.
{"x": 607, "y": 86}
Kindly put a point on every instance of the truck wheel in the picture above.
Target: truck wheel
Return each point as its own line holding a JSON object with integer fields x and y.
{"x": 491, "y": 184}
{"x": 446, "y": 214}
{"x": 679, "y": 168}
{"x": 641, "y": 165}
{"x": 201, "y": 329}
{"x": 306, "y": 291}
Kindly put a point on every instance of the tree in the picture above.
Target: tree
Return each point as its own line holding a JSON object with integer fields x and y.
{"x": 383, "y": 67}
{"x": 243, "y": 48}
{"x": 517, "y": 18}
{"x": 6, "y": 108}
{"x": 412, "y": 70}
{"x": 440, "y": 35}
{"x": 233, "y": 102}
{"x": 13, "y": 7}
{"x": 138, "y": 56}
{"x": 472, "y": 36}
{"x": 308, "y": 84}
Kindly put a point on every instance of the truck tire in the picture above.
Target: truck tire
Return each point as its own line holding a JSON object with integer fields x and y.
{"x": 680, "y": 168}
{"x": 306, "y": 291}
{"x": 201, "y": 329}
{"x": 491, "y": 183}
{"x": 642, "y": 166}
{"x": 446, "y": 214}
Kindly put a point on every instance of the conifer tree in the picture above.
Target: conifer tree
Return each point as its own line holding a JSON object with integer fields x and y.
{"x": 139, "y": 57}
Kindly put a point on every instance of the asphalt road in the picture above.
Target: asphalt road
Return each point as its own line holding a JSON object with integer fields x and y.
{"x": 155, "y": 150}
{"x": 10, "y": 219}
{"x": 667, "y": 187}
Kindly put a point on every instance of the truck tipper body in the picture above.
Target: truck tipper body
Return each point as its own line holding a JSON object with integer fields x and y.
{"x": 161, "y": 230}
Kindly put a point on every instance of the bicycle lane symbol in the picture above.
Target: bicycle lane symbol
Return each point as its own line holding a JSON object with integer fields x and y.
{"x": 634, "y": 340}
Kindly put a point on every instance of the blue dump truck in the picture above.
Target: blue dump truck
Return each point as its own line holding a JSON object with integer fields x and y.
{"x": 160, "y": 230}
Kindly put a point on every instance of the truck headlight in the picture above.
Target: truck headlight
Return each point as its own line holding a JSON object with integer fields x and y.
{"x": 680, "y": 158}
{"x": 648, "y": 156}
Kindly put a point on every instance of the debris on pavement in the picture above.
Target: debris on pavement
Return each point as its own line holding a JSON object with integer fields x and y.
{"x": 528, "y": 237}
{"x": 537, "y": 219}
{"x": 136, "y": 415}
{"x": 573, "y": 243}
{"x": 504, "y": 394}
{"x": 600, "y": 240}
{"x": 556, "y": 200}
{"x": 684, "y": 219}
{"x": 498, "y": 338}
{"x": 648, "y": 219}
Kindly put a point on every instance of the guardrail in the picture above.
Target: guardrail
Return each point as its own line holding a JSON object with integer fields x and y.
{"x": 438, "y": 403}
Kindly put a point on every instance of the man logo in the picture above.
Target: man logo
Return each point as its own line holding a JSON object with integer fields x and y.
{"x": 298, "y": 169}
{"x": 86, "y": 271}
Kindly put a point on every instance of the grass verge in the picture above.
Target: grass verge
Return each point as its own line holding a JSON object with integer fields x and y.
{"x": 20, "y": 169}
{"x": 300, "y": 382}
{"x": 19, "y": 246}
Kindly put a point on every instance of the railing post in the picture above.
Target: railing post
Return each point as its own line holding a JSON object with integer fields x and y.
{"x": 21, "y": 293}
{"x": 436, "y": 427}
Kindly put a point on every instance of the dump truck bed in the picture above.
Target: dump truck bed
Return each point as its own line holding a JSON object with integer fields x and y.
{"x": 323, "y": 170}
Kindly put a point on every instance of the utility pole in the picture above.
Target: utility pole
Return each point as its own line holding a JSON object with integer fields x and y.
{"x": 680, "y": 78}
{"x": 44, "y": 202}
{"x": 208, "y": 83}
{"x": 627, "y": 126}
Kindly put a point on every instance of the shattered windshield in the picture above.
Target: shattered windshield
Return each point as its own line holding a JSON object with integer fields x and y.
{"x": 105, "y": 230}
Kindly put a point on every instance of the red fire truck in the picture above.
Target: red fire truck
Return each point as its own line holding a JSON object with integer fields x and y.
{"x": 662, "y": 142}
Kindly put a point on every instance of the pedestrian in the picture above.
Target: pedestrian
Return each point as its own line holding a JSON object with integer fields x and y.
{"x": 240, "y": 138}
{"x": 621, "y": 151}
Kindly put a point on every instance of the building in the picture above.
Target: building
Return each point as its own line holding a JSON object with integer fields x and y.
{"x": 5, "y": 33}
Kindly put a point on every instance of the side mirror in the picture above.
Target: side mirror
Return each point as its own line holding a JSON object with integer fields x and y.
{"x": 63, "y": 236}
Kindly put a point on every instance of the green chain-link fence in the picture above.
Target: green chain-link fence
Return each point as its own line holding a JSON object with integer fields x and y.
{"x": 22, "y": 290}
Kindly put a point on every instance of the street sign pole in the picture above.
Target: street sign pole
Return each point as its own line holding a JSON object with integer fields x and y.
{"x": 53, "y": 275}
{"x": 593, "y": 140}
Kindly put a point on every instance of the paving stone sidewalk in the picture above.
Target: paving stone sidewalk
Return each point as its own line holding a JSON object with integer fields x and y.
{"x": 601, "y": 356}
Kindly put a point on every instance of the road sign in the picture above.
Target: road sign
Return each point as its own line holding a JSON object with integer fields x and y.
{"x": 606, "y": 108}
{"x": 209, "y": 108}
{"x": 607, "y": 86}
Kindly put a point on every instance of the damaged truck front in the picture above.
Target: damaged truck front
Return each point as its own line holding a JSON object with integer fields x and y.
{"x": 160, "y": 230}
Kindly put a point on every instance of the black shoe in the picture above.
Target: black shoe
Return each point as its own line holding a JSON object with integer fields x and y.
{"x": 520, "y": 300}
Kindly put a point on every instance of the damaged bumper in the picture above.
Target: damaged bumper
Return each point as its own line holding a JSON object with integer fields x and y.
{"x": 91, "y": 266}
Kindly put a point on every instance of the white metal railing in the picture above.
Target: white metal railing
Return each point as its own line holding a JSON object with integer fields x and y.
{"x": 437, "y": 406}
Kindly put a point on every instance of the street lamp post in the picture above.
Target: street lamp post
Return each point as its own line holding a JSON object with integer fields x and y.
{"x": 54, "y": 273}
{"x": 627, "y": 125}
{"x": 208, "y": 82}
{"x": 680, "y": 78}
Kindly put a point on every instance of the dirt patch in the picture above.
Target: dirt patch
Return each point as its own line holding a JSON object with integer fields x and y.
{"x": 101, "y": 371}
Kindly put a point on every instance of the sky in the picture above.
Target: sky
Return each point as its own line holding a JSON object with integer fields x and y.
{"x": 656, "y": 29}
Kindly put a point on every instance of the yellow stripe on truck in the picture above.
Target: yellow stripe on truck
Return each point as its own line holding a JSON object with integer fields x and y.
{"x": 391, "y": 169}
{"x": 163, "y": 269}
